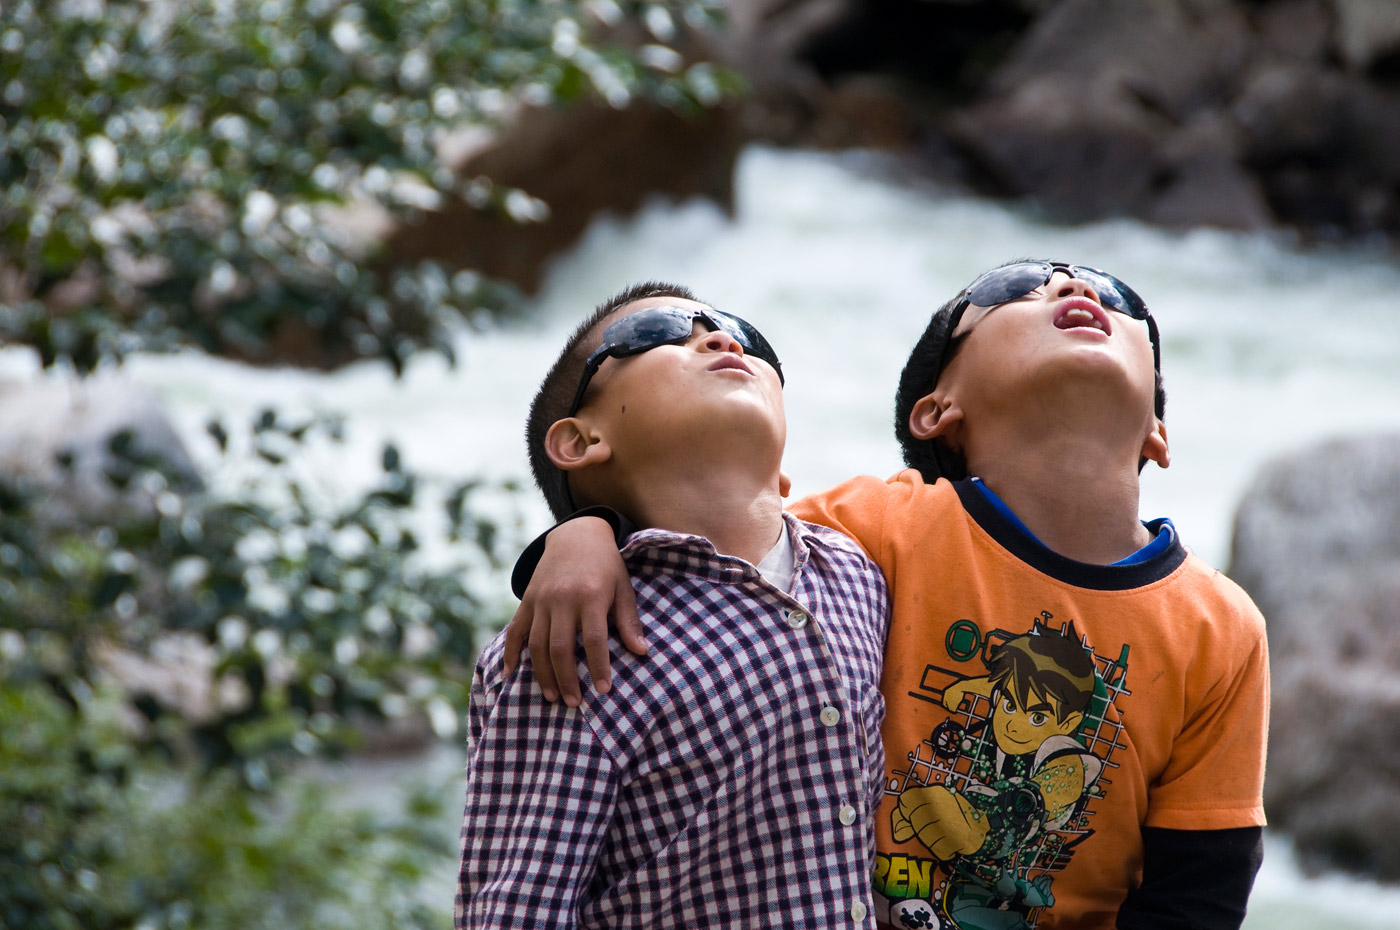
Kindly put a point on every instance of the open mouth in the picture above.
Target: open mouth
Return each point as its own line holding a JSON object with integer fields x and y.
{"x": 730, "y": 361}
{"x": 1082, "y": 313}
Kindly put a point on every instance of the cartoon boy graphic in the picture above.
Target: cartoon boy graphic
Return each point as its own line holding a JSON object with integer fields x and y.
{"x": 1027, "y": 780}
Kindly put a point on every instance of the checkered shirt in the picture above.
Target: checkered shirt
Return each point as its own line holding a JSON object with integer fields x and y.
{"x": 731, "y": 776}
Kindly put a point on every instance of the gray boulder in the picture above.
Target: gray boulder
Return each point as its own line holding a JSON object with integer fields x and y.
{"x": 57, "y": 434}
{"x": 1317, "y": 545}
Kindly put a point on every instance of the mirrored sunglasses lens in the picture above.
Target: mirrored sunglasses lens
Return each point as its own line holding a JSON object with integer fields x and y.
{"x": 1113, "y": 293}
{"x": 747, "y": 336}
{"x": 648, "y": 328}
{"x": 1003, "y": 284}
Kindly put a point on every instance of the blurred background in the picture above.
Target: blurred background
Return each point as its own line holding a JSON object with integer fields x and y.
{"x": 278, "y": 279}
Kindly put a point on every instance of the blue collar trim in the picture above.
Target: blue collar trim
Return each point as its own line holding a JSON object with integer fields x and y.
{"x": 1166, "y": 533}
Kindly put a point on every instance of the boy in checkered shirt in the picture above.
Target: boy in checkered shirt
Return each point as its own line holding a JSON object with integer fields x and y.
{"x": 731, "y": 775}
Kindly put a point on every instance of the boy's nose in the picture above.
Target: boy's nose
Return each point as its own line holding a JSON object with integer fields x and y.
{"x": 1062, "y": 285}
{"x": 720, "y": 341}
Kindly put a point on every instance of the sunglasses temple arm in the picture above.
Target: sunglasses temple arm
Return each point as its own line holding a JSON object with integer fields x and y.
{"x": 1156, "y": 344}
{"x": 583, "y": 383}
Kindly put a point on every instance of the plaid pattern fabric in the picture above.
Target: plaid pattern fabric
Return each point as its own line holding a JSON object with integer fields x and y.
{"x": 729, "y": 779}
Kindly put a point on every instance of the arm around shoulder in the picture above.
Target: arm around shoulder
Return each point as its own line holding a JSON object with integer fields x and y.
{"x": 580, "y": 581}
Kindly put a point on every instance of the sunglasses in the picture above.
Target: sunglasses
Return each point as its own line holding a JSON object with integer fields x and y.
{"x": 1010, "y": 282}
{"x": 669, "y": 326}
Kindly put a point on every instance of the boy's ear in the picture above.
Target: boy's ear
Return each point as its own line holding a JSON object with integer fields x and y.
{"x": 935, "y": 417}
{"x": 1155, "y": 447}
{"x": 784, "y": 484}
{"x": 571, "y": 444}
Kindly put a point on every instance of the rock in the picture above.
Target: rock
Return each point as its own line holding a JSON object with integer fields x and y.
{"x": 866, "y": 111}
{"x": 1081, "y": 113}
{"x": 1096, "y": 108}
{"x": 55, "y": 420}
{"x": 1325, "y": 145}
{"x": 1367, "y": 30}
{"x": 1291, "y": 111}
{"x": 1317, "y": 545}
{"x": 1203, "y": 183}
{"x": 1295, "y": 30}
{"x": 1174, "y": 56}
{"x": 766, "y": 39}
{"x": 1083, "y": 150}
{"x": 580, "y": 161}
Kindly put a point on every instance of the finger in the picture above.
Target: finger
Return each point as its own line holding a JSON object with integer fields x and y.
{"x": 539, "y": 658}
{"x": 562, "y": 657}
{"x": 595, "y": 648}
{"x": 629, "y": 625}
{"x": 517, "y": 633}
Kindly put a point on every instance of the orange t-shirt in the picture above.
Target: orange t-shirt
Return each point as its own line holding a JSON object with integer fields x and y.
{"x": 1042, "y": 711}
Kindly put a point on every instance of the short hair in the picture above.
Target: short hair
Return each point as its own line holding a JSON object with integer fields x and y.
{"x": 556, "y": 391}
{"x": 933, "y": 458}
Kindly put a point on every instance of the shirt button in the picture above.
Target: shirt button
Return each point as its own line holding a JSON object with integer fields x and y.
{"x": 830, "y": 716}
{"x": 847, "y": 815}
{"x": 797, "y": 619}
{"x": 858, "y": 912}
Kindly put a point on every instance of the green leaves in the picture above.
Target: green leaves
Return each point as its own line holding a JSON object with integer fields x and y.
{"x": 198, "y": 174}
{"x": 303, "y": 616}
{"x": 164, "y": 666}
{"x": 80, "y": 851}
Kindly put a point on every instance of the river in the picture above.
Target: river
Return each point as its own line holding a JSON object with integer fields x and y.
{"x": 1267, "y": 347}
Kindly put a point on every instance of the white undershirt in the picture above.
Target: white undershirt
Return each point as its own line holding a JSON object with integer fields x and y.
{"x": 778, "y": 566}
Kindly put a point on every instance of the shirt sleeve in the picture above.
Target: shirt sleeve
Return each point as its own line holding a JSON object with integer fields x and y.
{"x": 1194, "y": 879}
{"x": 541, "y": 792}
{"x": 529, "y": 559}
{"x": 1215, "y": 778}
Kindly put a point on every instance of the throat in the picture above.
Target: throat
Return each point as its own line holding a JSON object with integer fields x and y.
{"x": 1094, "y": 525}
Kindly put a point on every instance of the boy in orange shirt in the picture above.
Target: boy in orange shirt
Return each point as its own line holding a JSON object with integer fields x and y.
{"x": 1077, "y": 706}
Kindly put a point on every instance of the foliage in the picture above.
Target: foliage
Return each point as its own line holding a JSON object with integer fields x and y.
{"x": 249, "y": 629}
{"x": 177, "y": 172}
{"x": 85, "y": 851}
{"x": 187, "y": 646}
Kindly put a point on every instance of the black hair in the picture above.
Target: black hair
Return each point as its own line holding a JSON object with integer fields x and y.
{"x": 933, "y": 458}
{"x": 556, "y": 391}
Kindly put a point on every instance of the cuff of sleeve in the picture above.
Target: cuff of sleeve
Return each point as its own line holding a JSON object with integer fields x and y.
{"x": 525, "y": 565}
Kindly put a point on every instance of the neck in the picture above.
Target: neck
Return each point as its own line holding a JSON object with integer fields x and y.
{"x": 1078, "y": 494}
{"x": 738, "y": 509}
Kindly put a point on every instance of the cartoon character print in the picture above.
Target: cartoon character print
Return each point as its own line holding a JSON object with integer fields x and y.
{"x": 999, "y": 792}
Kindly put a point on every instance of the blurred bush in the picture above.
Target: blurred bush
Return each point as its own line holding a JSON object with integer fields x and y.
{"x": 83, "y": 849}
{"x": 162, "y": 665}
{"x": 195, "y": 173}
{"x": 170, "y": 169}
